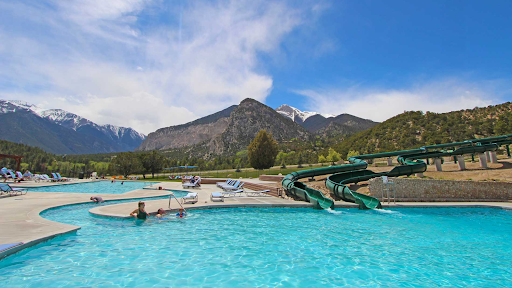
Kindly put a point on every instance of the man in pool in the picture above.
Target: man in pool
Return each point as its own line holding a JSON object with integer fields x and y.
{"x": 181, "y": 214}
{"x": 97, "y": 199}
{"x": 140, "y": 213}
{"x": 160, "y": 213}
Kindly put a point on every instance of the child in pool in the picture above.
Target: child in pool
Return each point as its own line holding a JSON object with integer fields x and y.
{"x": 181, "y": 213}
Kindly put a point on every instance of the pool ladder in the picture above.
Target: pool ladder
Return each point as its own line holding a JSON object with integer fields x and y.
{"x": 388, "y": 189}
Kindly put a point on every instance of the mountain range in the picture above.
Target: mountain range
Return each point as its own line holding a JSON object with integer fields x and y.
{"x": 326, "y": 124}
{"x": 61, "y": 132}
{"x": 232, "y": 129}
{"x": 223, "y": 133}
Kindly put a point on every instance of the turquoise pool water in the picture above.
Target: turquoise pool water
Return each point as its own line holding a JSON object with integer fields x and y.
{"x": 106, "y": 187}
{"x": 269, "y": 247}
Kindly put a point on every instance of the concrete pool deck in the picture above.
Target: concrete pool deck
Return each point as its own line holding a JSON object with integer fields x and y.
{"x": 21, "y": 222}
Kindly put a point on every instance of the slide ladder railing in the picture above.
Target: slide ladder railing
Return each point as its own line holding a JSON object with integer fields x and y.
{"x": 388, "y": 189}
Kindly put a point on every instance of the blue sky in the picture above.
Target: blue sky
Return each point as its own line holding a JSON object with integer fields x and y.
{"x": 148, "y": 64}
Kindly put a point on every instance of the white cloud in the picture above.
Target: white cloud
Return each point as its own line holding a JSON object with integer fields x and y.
{"x": 381, "y": 104}
{"x": 82, "y": 55}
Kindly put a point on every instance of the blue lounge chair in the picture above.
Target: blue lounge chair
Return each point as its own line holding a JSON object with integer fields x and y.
{"x": 46, "y": 177}
{"x": 233, "y": 183}
{"x": 7, "y": 189}
{"x": 54, "y": 178}
{"x": 219, "y": 184}
{"x": 237, "y": 186}
{"x": 15, "y": 177}
{"x": 62, "y": 178}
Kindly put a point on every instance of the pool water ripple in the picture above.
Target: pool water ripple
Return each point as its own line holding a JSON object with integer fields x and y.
{"x": 269, "y": 247}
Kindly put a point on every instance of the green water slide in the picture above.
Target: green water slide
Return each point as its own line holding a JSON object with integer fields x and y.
{"x": 409, "y": 160}
{"x": 317, "y": 198}
{"x": 337, "y": 183}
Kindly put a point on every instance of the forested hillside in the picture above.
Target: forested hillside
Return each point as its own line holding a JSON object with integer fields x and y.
{"x": 415, "y": 129}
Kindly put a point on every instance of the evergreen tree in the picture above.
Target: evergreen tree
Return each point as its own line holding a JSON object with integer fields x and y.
{"x": 152, "y": 162}
{"x": 262, "y": 151}
{"x": 126, "y": 163}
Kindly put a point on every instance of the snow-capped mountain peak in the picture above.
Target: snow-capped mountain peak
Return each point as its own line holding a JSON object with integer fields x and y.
{"x": 71, "y": 120}
{"x": 298, "y": 115}
{"x": 66, "y": 118}
{"x": 7, "y": 106}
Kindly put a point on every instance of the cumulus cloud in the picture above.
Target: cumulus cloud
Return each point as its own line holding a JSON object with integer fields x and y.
{"x": 95, "y": 58}
{"x": 381, "y": 104}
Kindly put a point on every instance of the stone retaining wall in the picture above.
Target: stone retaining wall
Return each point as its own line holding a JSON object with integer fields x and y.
{"x": 444, "y": 190}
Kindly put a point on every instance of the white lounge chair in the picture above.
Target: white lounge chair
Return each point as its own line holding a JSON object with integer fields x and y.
{"x": 190, "y": 198}
{"x": 232, "y": 183}
{"x": 15, "y": 177}
{"x": 229, "y": 193}
{"x": 191, "y": 185}
{"x": 257, "y": 193}
{"x": 217, "y": 196}
{"x": 46, "y": 177}
{"x": 237, "y": 186}
{"x": 28, "y": 176}
{"x": 7, "y": 189}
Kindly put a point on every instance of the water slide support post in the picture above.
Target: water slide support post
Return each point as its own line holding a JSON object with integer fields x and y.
{"x": 438, "y": 163}
{"x": 494, "y": 157}
{"x": 462, "y": 164}
{"x": 483, "y": 160}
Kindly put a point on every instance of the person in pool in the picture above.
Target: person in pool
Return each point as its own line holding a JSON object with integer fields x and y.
{"x": 140, "y": 213}
{"x": 181, "y": 214}
{"x": 160, "y": 213}
{"x": 97, "y": 199}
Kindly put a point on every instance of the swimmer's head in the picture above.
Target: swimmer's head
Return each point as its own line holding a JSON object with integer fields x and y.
{"x": 91, "y": 198}
{"x": 141, "y": 204}
{"x": 161, "y": 211}
{"x": 181, "y": 209}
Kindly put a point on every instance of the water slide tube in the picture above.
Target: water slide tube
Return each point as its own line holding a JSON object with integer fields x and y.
{"x": 317, "y": 198}
{"x": 337, "y": 183}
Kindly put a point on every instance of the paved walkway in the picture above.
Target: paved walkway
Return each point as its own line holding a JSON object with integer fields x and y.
{"x": 20, "y": 221}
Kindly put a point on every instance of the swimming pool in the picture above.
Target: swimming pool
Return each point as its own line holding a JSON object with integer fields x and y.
{"x": 268, "y": 247}
{"x": 105, "y": 187}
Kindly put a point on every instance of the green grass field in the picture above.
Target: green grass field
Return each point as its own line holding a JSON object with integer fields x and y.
{"x": 246, "y": 173}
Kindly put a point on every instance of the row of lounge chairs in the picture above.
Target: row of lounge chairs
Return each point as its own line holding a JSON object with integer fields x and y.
{"x": 56, "y": 177}
{"x": 219, "y": 196}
